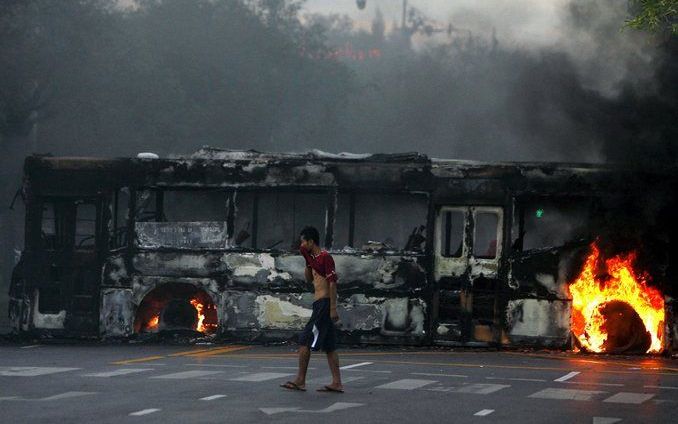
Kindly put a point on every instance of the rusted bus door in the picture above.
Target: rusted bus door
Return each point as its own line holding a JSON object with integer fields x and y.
{"x": 467, "y": 250}
{"x": 73, "y": 238}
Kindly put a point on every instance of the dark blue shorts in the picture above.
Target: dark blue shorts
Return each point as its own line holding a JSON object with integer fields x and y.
{"x": 320, "y": 332}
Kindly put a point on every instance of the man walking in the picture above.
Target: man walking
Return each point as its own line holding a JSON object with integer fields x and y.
{"x": 319, "y": 333}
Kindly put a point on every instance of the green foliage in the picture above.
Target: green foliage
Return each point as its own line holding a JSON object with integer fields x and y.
{"x": 655, "y": 15}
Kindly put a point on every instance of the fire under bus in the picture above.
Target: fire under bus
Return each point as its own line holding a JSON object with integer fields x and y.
{"x": 429, "y": 251}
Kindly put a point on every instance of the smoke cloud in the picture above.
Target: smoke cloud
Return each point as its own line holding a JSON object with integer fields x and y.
{"x": 519, "y": 80}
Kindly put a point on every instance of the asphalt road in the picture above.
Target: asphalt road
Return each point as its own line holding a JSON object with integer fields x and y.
{"x": 240, "y": 384}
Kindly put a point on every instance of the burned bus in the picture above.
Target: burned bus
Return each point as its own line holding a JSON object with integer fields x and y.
{"x": 428, "y": 251}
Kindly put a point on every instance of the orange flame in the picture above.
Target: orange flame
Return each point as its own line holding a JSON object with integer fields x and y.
{"x": 153, "y": 323}
{"x": 589, "y": 295}
{"x": 201, "y": 315}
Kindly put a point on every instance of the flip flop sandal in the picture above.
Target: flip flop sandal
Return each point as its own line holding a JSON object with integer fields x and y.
{"x": 291, "y": 385}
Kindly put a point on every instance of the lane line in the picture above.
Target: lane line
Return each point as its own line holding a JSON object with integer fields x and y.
{"x": 439, "y": 375}
{"x": 605, "y": 420}
{"x": 323, "y": 380}
{"x": 188, "y": 352}
{"x": 218, "y": 365}
{"x": 444, "y": 364}
{"x": 537, "y": 380}
{"x": 406, "y": 384}
{"x": 261, "y": 376}
{"x": 32, "y": 371}
{"x": 199, "y": 353}
{"x": 218, "y": 351}
{"x": 361, "y": 364}
{"x": 118, "y": 372}
{"x": 213, "y": 397}
{"x": 591, "y": 361}
{"x": 670, "y": 371}
{"x": 285, "y": 368}
{"x": 593, "y": 384}
{"x": 144, "y": 412}
{"x": 661, "y": 387}
{"x": 68, "y": 395}
{"x": 186, "y": 374}
{"x": 137, "y": 360}
{"x": 483, "y": 412}
{"x": 30, "y": 347}
{"x": 567, "y": 376}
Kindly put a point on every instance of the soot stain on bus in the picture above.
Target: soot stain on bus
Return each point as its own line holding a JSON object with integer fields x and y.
{"x": 428, "y": 251}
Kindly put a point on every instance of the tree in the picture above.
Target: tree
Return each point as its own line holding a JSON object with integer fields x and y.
{"x": 654, "y": 15}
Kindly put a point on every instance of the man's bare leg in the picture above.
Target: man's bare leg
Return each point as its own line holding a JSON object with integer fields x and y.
{"x": 304, "y": 358}
{"x": 333, "y": 362}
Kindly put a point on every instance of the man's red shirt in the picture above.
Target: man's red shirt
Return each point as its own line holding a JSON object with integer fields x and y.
{"x": 322, "y": 263}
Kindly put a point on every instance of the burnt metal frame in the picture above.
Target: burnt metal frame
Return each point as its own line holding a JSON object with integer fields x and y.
{"x": 512, "y": 189}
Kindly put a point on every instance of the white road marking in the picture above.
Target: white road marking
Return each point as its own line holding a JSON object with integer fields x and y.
{"x": 347, "y": 367}
{"x": 484, "y": 412}
{"x": 68, "y": 395}
{"x": 32, "y": 371}
{"x": 629, "y": 397}
{"x": 476, "y": 389}
{"x": 605, "y": 420}
{"x": 660, "y": 401}
{"x": 215, "y": 365}
{"x": 567, "y": 376}
{"x": 406, "y": 384}
{"x": 60, "y": 396}
{"x": 120, "y": 371}
{"x": 326, "y": 380}
{"x": 186, "y": 374}
{"x": 144, "y": 412}
{"x": 566, "y": 394}
{"x": 538, "y": 380}
{"x": 337, "y": 406}
{"x": 439, "y": 375}
{"x": 213, "y": 397}
{"x": 261, "y": 376}
{"x": 481, "y": 389}
{"x": 284, "y": 368}
{"x": 30, "y": 347}
{"x": 372, "y": 371}
{"x": 593, "y": 383}
{"x": 271, "y": 411}
{"x": 661, "y": 387}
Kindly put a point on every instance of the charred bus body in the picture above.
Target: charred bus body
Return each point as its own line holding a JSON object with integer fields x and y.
{"x": 428, "y": 251}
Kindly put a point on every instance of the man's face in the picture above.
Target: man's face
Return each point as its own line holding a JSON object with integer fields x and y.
{"x": 306, "y": 244}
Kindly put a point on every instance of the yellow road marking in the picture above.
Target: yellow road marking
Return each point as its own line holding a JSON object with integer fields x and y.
{"x": 199, "y": 353}
{"x": 220, "y": 351}
{"x": 462, "y": 365}
{"x": 642, "y": 366}
{"x": 134, "y": 361}
{"x": 277, "y": 355}
{"x": 189, "y": 352}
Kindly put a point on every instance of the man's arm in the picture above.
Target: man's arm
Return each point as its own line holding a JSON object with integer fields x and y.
{"x": 333, "y": 301}
{"x": 332, "y": 281}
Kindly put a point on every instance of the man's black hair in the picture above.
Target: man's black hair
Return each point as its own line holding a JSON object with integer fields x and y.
{"x": 311, "y": 233}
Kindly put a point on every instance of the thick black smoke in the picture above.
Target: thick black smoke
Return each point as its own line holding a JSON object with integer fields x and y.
{"x": 85, "y": 77}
